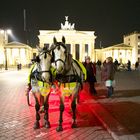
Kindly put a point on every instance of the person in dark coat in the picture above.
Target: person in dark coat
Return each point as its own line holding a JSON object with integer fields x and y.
{"x": 99, "y": 63}
{"x": 108, "y": 73}
{"x": 116, "y": 63}
{"x": 129, "y": 65}
{"x": 91, "y": 73}
{"x": 136, "y": 65}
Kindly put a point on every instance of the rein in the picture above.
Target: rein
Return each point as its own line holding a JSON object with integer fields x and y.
{"x": 44, "y": 71}
{"x": 64, "y": 62}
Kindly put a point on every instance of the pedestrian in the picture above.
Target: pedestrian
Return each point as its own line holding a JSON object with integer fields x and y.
{"x": 116, "y": 63}
{"x": 99, "y": 63}
{"x": 108, "y": 73}
{"x": 91, "y": 73}
{"x": 18, "y": 67}
{"x": 129, "y": 65}
{"x": 139, "y": 67}
{"x": 136, "y": 65}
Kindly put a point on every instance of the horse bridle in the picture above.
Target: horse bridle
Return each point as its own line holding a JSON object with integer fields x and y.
{"x": 58, "y": 44}
{"x": 46, "y": 52}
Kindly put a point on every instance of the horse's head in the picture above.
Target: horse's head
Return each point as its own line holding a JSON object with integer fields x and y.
{"x": 59, "y": 53}
{"x": 44, "y": 63}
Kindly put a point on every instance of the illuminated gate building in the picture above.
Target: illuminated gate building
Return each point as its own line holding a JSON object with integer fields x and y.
{"x": 79, "y": 43}
{"x": 82, "y": 43}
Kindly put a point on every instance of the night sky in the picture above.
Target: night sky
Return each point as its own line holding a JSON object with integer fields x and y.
{"x": 110, "y": 19}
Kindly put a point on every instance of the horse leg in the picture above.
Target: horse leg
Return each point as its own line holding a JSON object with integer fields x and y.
{"x": 73, "y": 106}
{"x": 41, "y": 104}
{"x": 78, "y": 99}
{"x": 37, "y": 107}
{"x": 46, "y": 108}
{"x": 60, "y": 128}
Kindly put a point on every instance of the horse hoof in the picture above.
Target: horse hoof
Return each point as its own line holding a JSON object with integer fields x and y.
{"x": 59, "y": 128}
{"x": 47, "y": 125}
{"x": 36, "y": 125}
{"x": 74, "y": 125}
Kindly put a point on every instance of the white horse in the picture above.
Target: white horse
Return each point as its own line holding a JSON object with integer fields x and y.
{"x": 69, "y": 75}
{"x": 41, "y": 84}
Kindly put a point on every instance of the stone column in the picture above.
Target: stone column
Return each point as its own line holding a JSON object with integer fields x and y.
{"x": 81, "y": 52}
{"x": 11, "y": 58}
{"x": 113, "y": 54}
{"x": 126, "y": 55}
{"x": 90, "y": 51}
{"x": 73, "y": 50}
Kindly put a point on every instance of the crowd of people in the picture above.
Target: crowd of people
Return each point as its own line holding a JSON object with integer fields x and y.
{"x": 108, "y": 69}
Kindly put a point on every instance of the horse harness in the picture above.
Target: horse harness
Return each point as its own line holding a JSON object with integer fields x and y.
{"x": 37, "y": 72}
{"x": 57, "y": 45}
{"x": 64, "y": 78}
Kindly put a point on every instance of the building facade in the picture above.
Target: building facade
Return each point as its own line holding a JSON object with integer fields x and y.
{"x": 128, "y": 50}
{"x": 14, "y": 53}
{"x": 133, "y": 39}
{"x": 18, "y": 53}
{"x": 79, "y": 43}
{"x": 82, "y": 43}
{"x": 121, "y": 52}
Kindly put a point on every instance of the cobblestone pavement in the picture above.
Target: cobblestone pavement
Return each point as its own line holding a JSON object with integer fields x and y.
{"x": 17, "y": 118}
{"x": 121, "y": 112}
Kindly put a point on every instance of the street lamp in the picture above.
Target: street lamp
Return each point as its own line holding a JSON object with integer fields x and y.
{"x": 5, "y": 34}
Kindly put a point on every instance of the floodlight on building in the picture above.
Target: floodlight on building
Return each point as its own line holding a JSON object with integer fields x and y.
{"x": 2, "y": 31}
{"x": 9, "y": 31}
{"x": 5, "y": 34}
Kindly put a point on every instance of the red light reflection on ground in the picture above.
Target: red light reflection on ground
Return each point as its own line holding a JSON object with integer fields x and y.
{"x": 85, "y": 117}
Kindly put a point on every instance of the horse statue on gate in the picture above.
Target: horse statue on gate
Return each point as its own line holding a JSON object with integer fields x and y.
{"x": 41, "y": 79}
{"x": 70, "y": 75}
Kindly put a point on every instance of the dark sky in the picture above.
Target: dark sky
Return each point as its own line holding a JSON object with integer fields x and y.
{"x": 110, "y": 19}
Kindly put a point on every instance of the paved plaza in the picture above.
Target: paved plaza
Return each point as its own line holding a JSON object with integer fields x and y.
{"x": 17, "y": 118}
{"x": 98, "y": 118}
{"x": 120, "y": 114}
